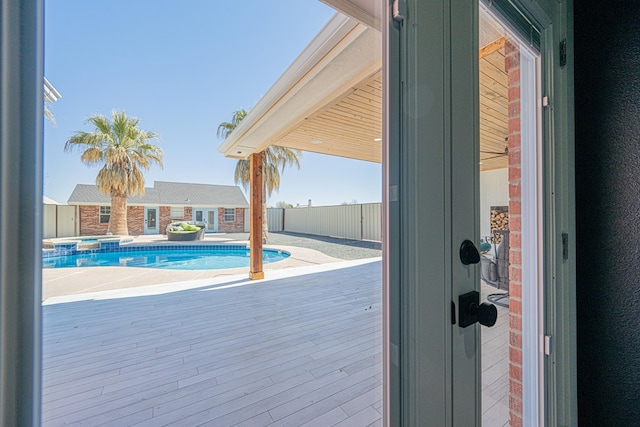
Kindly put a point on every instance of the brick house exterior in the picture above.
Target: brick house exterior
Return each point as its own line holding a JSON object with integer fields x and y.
{"x": 236, "y": 226}
{"x": 170, "y": 202}
{"x": 512, "y": 66}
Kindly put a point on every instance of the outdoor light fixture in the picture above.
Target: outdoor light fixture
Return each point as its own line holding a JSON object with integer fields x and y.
{"x": 316, "y": 141}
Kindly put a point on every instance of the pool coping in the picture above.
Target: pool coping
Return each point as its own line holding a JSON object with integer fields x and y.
{"x": 78, "y": 280}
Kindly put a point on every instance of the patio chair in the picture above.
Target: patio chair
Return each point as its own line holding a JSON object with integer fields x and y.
{"x": 494, "y": 270}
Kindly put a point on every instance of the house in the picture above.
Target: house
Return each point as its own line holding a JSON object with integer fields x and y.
{"x": 221, "y": 207}
{"x": 591, "y": 267}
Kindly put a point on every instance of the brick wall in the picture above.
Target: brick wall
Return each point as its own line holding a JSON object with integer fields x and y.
{"x": 164, "y": 218}
{"x": 90, "y": 221}
{"x": 231, "y": 227}
{"x": 135, "y": 220}
{"x": 512, "y": 66}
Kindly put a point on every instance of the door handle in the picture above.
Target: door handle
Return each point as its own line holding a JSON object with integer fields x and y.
{"x": 471, "y": 311}
{"x": 469, "y": 253}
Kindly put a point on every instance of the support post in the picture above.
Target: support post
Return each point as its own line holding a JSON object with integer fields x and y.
{"x": 255, "y": 224}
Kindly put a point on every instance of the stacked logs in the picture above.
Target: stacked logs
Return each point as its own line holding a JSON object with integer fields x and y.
{"x": 499, "y": 220}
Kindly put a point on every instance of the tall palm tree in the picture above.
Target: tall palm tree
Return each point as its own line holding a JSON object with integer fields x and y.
{"x": 48, "y": 114}
{"x": 123, "y": 151}
{"x": 275, "y": 160}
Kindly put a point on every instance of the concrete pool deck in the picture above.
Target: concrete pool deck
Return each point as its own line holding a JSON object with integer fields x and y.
{"x": 70, "y": 281}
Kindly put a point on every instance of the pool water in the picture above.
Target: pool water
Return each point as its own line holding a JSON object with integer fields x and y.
{"x": 173, "y": 259}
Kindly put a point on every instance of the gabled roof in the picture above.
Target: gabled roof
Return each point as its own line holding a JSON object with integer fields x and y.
{"x": 168, "y": 194}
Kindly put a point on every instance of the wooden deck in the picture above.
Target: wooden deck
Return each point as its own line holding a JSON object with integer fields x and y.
{"x": 303, "y": 350}
{"x": 495, "y": 367}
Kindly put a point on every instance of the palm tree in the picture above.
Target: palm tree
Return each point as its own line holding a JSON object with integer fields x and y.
{"x": 123, "y": 151}
{"x": 275, "y": 159}
{"x": 48, "y": 114}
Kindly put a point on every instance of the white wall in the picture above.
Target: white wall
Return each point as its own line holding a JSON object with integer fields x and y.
{"x": 494, "y": 191}
{"x": 275, "y": 218}
{"x": 49, "y": 214}
{"x": 59, "y": 221}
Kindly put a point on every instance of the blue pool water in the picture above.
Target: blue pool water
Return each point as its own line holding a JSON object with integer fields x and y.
{"x": 170, "y": 259}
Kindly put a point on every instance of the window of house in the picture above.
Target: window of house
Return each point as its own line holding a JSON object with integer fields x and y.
{"x": 229, "y": 215}
{"x": 177, "y": 212}
{"x": 105, "y": 213}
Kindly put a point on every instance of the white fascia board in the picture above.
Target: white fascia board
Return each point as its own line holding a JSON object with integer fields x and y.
{"x": 340, "y": 56}
{"x": 366, "y": 11}
{"x": 50, "y": 92}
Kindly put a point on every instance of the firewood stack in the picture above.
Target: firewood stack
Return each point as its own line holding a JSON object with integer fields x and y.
{"x": 499, "y": 220}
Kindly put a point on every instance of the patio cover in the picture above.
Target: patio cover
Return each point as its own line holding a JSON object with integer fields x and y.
{"x": 329, "y": 100}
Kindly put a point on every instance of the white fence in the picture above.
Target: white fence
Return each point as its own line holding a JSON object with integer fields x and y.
{"x": 59, "y": 221}
{"x": 358, "y": 222}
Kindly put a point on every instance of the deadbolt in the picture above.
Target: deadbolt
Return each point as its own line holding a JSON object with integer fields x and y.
{"x": 471, "y": 311}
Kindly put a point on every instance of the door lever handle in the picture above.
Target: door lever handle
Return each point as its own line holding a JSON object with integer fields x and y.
{"x": 469, "y": 253}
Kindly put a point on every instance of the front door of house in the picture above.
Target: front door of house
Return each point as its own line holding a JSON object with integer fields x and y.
{"x": 150, "y": 220}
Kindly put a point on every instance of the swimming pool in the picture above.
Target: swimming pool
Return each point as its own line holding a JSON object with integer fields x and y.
{"x": 197, "y": 257}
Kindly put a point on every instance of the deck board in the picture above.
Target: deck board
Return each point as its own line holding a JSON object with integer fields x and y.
{"x": 302, "y": 350}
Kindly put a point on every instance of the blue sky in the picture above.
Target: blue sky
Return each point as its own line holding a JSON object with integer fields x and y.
{"x": 182, "y": 68}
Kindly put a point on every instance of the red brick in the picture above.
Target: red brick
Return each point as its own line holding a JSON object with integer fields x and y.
{"x": 515, "y": 405}
{"x": 511, "y": 62}
{"x": 515, "y": 356}
{"x": 515, "y": 388}
{"x": 511, "y": 55}
{"x": 515, "y": 321}
{"x": 514, "y": 190}
{"x": 514, "y": 76}
{"x": 135, "y": 220}
{"x": 514, "y": 96}
{"x": 515, "y": 207}
{"x": 514, "y": 157}
{"x": 515, "y": 256}
{"x": 515, "y": 223}
{"x": 231, "y": 227}
{"x": 515, "y": 239}
{"x": 515, "y": 275}
{"x": 90, "y": 221}
{"x": 515, "y": 372}
{"x": 89, "y": 218}
{"x": 515, "y": 339}
{"x": 515, "y": 289}
{"x": 514, "y": 123}
{"x": 514, "y": 173}
{"x": 515, "y": 420}
{"x": 515, "y": 140}
{"x": 515, "y": 306}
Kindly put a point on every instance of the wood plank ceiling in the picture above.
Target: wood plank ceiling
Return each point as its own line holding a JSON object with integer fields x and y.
{"x": 351, "y": 126}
